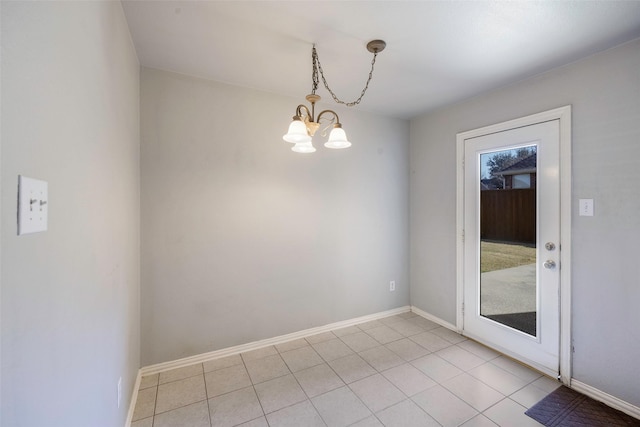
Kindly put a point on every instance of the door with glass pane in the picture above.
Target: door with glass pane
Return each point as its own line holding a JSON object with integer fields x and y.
{"x": 511, "y": 242}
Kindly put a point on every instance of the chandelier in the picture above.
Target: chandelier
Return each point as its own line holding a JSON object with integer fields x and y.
{"x": 305, "y": 123}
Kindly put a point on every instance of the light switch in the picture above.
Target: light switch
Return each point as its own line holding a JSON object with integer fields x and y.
{"x": 586, "y": 207}
{"x": 33, "y": 205}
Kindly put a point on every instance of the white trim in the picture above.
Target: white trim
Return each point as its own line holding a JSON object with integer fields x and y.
{"x": 478, "y": 339}
{"x": 133, "y": 401}
{"x": 499, "y": 349}
{"x": 435, "y": 319}
{"x": 578, "y": 386}
{"x": 529, "y": 363}
{"x": 563, "y": 114}
{"x": 588, "y": 390}
{"x": 229, "y": 351}
{"x": 460, "y": 232}
{"x": 606, "y": 398}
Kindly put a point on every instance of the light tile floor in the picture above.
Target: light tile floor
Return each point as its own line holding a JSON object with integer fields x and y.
{"x": 401, "y": 371}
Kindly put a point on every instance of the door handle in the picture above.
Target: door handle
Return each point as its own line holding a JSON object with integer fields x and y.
{"x": 549, "y": 264}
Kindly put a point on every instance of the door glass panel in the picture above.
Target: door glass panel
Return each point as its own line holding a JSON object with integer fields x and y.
{"x": 508, "y": 237}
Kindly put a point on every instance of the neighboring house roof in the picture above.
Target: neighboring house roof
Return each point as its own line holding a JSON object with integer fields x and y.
{"x": 523, "y": 165}
{"x": 491, "y": 184}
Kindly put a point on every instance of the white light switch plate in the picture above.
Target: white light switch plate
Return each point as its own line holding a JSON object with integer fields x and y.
{"x": 33, "y": 205}
{"x": 586, "y": 207}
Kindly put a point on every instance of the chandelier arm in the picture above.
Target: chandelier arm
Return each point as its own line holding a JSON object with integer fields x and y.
{"x": 303, "y": 109}
{"x": 332, "y": 122}
{"x": 326, "y": 85}
{"x": 335, "y": 115}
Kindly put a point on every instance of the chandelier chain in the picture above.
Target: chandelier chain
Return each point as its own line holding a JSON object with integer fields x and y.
{"x": 314, "y": 72}
{"x": 318, "y": 67}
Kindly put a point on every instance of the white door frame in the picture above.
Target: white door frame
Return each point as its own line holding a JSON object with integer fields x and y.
{"x": 563, "y": 114}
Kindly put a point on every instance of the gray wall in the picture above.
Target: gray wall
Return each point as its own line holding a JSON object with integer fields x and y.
{"x": 242, "y": 239}
{"x": 604, "y": 91}
{"x": 70, "y": 295}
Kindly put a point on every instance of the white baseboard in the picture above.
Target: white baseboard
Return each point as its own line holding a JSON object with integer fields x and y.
{"x": 586, "y": 389}
{"x": 578, "y": 386}
{"x": 606, "y": 398}
{"x": 160, "y": 367}
{"x": 434, "y": 319}
{"x": 179, "y": 363}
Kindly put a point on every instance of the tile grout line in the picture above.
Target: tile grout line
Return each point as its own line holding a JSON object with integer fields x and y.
{"x": 174, "y": 381}
{"x": 527, "y": 382}
{"x": 155, "y": 402}
{"x": 217, "y": 354}
{"x": 304, "y": 391}
{"x": 504, "y": 397}
{"x": 378, "y": 372}
{"x": 253, "y": 386}
{"x": 206, "y": 394}
{"x": 302, "y": 388}
{"x": 325, "y": 362}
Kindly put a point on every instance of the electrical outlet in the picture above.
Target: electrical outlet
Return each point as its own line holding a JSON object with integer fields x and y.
{"x": 392, "y": 286}
{"x": 119, "y": 391}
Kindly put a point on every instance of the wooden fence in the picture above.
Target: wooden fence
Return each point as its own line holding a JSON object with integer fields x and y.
{"x": 508, "y": 215}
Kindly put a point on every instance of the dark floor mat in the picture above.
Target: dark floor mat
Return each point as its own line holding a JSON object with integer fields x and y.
{"x": 568, "y": 408}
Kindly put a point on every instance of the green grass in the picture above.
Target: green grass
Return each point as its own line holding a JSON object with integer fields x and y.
{"x": 498, "y": 256}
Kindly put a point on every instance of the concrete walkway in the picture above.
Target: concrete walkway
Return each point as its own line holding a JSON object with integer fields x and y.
{"x": 512, "y": 290}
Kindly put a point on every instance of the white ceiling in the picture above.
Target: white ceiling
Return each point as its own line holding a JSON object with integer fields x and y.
{"x": 438, "y": 52}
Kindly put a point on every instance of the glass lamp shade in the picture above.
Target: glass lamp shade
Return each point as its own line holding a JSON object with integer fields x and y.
{"x": 297, "y": 133}
{"x": 337, "y": 139}
{"x": 303, "y": 147}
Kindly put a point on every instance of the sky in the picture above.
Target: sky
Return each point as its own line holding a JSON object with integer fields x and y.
{"x": 484, "y": 159}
